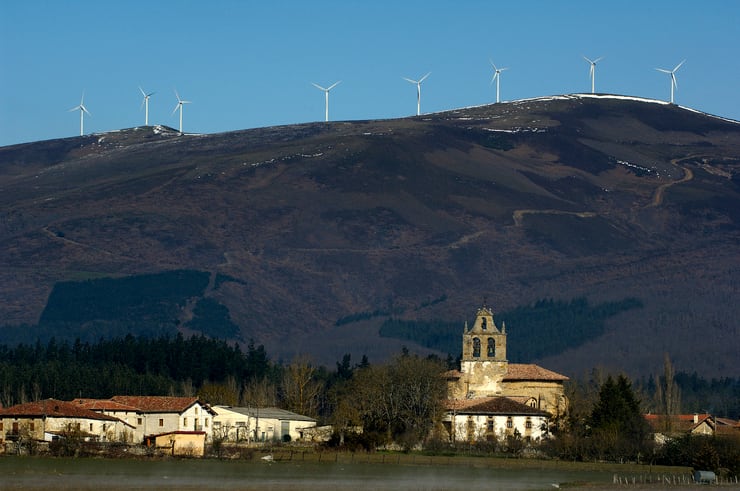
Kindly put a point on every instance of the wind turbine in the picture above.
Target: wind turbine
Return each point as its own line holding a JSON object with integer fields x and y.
{"x": 145, "y": 103}
{"x": 326, "y": 92}
{"x": 672, "y": 73}
{"x": 179, "y": 105}
{"x": 418, "y": 90}
{"x": 592, "y": 70}
{"x": 82, "y": 110}
{"x": 497, "y": 78}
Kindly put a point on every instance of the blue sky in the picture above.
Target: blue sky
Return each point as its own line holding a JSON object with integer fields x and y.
{"x": 247, "y": 64}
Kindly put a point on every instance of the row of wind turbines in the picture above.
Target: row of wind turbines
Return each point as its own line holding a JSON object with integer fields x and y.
{"x": 496, "y": 78}
{"x": 145, "y": 103}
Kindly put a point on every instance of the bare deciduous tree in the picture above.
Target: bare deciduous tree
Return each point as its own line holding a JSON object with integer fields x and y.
{"x": 299, "y": 388}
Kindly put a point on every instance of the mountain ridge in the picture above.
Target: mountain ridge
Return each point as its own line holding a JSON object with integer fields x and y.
{"x": 544, "y": 198}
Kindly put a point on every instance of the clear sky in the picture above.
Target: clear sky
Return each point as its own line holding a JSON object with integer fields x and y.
{"x": 247, "y": 64}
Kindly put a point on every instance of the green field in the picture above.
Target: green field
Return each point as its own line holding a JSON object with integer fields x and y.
{"x": 319, "y": 471}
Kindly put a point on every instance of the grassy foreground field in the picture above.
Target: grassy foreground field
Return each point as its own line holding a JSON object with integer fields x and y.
{"x": 329, "y": 471}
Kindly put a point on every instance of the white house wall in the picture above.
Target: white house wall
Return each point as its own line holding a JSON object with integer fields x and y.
{"x": 500, "y": 430}
{"x": 267, "y": 428}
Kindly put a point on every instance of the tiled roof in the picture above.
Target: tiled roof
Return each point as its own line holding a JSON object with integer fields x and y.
{"x": 156, "y": 404}
{"x": 103, "y": 405}
{"x": 684, "y": 423}
{"x": 491, "y": 405}
{"x": 180, "y": 432}
{"x": 680, "y": 423}
{"x": 53, "y": 408}
{"x": 728, "y": 422}
{"x": 527, "y": 371}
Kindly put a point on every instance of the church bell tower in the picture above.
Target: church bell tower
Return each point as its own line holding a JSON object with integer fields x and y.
{"x": 484, "y": 355}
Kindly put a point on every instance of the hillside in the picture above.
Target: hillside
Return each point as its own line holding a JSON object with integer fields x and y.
{"x": 283, "y": 231}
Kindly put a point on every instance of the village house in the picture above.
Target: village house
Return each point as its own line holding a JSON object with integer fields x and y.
{"x": 259, "y": 424}
{"x": 49, "y": 419}
{"x": 180, "y": 443}
{"x": 677, "y": 425}
{"x": 490, "y": 397}
{"x": 155, "y": 415}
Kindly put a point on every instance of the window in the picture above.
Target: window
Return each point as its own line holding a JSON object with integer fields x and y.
{"x": 138, "y": 421}
{"x": 185, "y": 422}
{"x": 161, "y": 422}
{"x": 206, "y": 422}
{"x": 509, "y": 422}
{"x": 528, "y": 424}
{"x": 476, "y": 347}
{"x": 491, "y": 348}
{"x": 1, "y": 426}
{"x": 470, "y": 428}
{"x": 31, "y": 426}
{"x": 490, "y": 425}
{"x": 533, "y": 403}
{"x": 483, "y": 323}
{"x": 91, "y": 426}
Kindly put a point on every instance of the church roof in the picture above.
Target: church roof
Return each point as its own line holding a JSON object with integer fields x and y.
{"x": 528, "y": 371}
{"x": 491, "y": 405}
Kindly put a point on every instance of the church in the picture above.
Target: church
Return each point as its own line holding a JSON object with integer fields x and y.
{"x": 490, "y": 398}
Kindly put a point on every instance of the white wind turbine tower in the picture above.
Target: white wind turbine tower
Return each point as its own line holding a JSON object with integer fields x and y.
{"x": 82, "y": 110}
{"x": 497, "y": 78}
{"x": 326, "y": 92}
{"x": 592, "y": 70}
{"x": 418, "y": 90}
{"x": 145, "y": 103}
{"x": 179, "y": 105}
{"x": 672, "y": 73}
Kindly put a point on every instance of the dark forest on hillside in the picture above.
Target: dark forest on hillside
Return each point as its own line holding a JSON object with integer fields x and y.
{"x": 202, "y": 366}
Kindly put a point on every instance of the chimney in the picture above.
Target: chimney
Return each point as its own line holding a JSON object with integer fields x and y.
{"x": 696, "y": 418}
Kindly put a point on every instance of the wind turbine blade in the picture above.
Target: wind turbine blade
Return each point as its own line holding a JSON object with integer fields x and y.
{"x": 142, "y": 91}
{"x": 176, "y": 108}
{"x": 76, "y": 108}
{"x": 333, "y": 85}
{"x": 495, "y": 75}
{"x": 409, "y": 80}
{"x": 679, "y": 65}
{"x": 585, "y": 58}
{"x": 598, "y": 59}
{"x": 663, "y": 70}
{"x": 502, "y": 69}
{"x": 424, "y": 77}
{"x": 177, "y": 95}
{"x": 84, "y": 109}
{"x": 493, "y": 64}
{"x": 318, "y": 86}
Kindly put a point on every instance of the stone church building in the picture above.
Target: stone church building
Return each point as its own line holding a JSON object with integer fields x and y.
{"x": 490, "y": 397}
